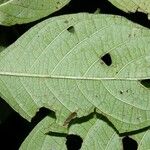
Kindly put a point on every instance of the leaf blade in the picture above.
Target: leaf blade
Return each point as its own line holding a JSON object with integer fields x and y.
{"x": 86, "y": 130}
{"x": 48, "y": 74}
{"x": 132, "y": 6}
{"x": 142, "y": 139}
{"x": 18, "y": 12}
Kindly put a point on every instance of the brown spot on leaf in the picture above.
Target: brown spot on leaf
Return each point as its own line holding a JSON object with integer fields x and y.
{"x": 70, "y": 117}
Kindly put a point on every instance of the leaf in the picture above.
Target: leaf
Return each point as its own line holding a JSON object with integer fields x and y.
{"x": 143, "y": 139}
{"x": 96, "y": 134}
{"x": 133, "y": 5}
{"x": 39, "y": 139}
{"x": 24, "y": 11}
{"x": 61, "y": 64}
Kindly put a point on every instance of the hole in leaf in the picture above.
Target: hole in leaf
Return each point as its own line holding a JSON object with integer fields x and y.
{"x": 145, "y": 83}
{"x": 74, "y": 142}
{"x": 129, "y": 143}
{"x": 107, "y": 59}
{"x": 56, "y": 134}
{"x": 71, "y": 29}
{"x": 42, "y": 113}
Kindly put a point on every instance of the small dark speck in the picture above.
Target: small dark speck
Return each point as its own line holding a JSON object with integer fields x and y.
{"x": 129, "y": 35}
{"x": 127, "y": 91}
{"x": 138, "y": 118}
{"x": 54, "y": 97}
{"x": 120, "y": 92}
{"x": 71, "y": 29}
{"x": 66, "y": 21}
{"x": 96, "y": 95}
{"x": 102, "y": 62}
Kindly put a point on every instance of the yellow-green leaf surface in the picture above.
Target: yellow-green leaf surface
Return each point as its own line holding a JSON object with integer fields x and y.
{"x": 143, "y": 140}
{"x": 24, "y": 11}
{"x": 96, "y": 135}
{"x": 57, "y": 64}
{"x": 40, "y": 139}
{"x": 133, "y": 5}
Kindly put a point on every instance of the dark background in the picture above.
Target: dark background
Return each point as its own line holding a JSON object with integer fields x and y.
{"x": 15, "y": 129}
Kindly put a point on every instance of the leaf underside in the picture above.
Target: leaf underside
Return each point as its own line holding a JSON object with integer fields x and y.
{"x": 24, "y": 11}
{"x": 143, "y": 139}
{"x": 42, "y": 136}
{"x": 59, "y": 64}
{"x": 133, "y": 5}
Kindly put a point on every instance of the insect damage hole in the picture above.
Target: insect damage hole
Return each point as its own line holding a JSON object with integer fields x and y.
{"x": 107, "y": 59}
{"x": 74, "y": 142}
{"x": 71, "y": 29}
{"x": 145, "y": 83}
{"x": 129, "y": 143}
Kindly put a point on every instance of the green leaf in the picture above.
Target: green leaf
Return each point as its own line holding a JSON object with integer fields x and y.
{"x": 40, "y": 139}
{"x": 24, "y": 11}
{"x": 133, "y": 5}
{"x": 143, "y": 140}
{"x": 57, "y": 64}
{"x": 96, "y": 134}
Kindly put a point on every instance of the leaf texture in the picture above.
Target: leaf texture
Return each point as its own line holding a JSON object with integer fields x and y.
{"x": 39, "y": 137}
{"x": 143, "y": 140}
{"x": 58, "y": 65}
{"x": 24, "y": 11}
{"x": 95, "y": 133}
{"x": 133, "y": 5}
